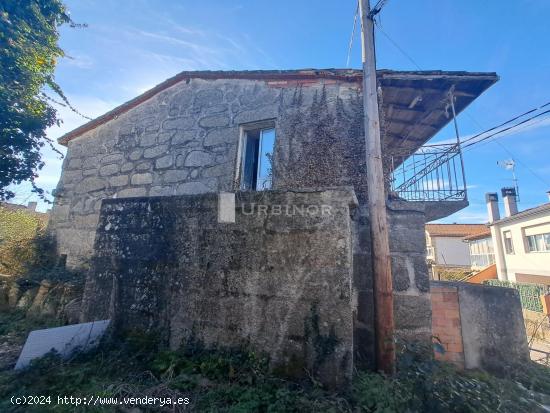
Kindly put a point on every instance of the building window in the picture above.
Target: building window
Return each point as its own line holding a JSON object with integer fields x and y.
{"x": 257, "y": 156}
{"x": 481, "y": 253}
{"x": 508, "y": 243}
{"x": 539, "y": 242}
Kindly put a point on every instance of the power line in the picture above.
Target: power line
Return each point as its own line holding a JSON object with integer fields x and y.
{"x": 377, "y": 8}
{"x": 352, "y": 33}
{"x": 536, "y": 175}
{"x": 397, "y": 46}
{"x": 523, "y": 124}
{"x": 501, "y": 131}
{"x": 507, "y": 122}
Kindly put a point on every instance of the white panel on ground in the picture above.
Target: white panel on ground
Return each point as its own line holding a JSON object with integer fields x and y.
{"x": 64, "y": 340}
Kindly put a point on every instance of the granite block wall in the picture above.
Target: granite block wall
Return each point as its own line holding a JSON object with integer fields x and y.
{"x": 165, "y": 264}
{"x": 186, "y": 140}
{"x": 412, "y": 307}
{"x": 277, "y": 281}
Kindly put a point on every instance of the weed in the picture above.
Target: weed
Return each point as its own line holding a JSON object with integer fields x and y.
{"x": 217, "y": 380}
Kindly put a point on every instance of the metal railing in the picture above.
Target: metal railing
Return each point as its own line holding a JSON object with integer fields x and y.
{"x": 432, "y": 173}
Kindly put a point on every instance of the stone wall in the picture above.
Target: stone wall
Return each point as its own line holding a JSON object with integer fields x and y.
{"x": 185, "y": 140}
{"x": 275, "y": 281}
{"x": 46, "y": 298}
{"x": 144, "y": 246}
{"x": 412, "y": 309}
{"x": 491, "y": 324}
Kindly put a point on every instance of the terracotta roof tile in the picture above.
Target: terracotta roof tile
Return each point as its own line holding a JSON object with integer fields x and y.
{"x": 480, "y": 235}
{"x": 455, "y": 230}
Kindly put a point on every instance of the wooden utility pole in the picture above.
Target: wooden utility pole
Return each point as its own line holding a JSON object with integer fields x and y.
{"x": 383, "y": 290}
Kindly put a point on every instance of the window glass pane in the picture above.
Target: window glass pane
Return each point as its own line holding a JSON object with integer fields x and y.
{"x": 508, "y": 242}
{"x": 540, "y": 242}
{"x": 547, "y": 241}
{"x": 531, "y": 243}
{"x": 267, "y": 142}
{"x": 250, "y": 161}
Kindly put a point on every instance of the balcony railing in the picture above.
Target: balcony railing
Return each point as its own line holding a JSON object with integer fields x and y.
{"x": 432, "y": 173}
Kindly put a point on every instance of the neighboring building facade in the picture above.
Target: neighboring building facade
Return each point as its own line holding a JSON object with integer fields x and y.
{"x": 445, "y": 246}
{"x": 521, "y": 240}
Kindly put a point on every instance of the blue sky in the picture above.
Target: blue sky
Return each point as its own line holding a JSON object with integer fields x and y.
{"x": 132, "y": 45}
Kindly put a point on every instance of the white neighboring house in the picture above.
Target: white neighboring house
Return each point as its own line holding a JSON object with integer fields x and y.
{"x": 446, "y": 248}
{"x": 521, "y": 240}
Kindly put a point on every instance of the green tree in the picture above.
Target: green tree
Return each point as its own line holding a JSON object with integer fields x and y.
{"x": 29, "y": 34}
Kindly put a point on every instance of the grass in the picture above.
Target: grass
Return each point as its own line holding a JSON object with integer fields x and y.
{"x": 239, "y": 381}
{"x": 18, "y": 324}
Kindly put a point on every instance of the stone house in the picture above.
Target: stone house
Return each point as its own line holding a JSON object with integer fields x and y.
{"x": 140, "y": 182}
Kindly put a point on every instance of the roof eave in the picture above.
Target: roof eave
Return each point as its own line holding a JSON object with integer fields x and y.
{"x": 344, "y": 75}
{"x": 523, "y": 214}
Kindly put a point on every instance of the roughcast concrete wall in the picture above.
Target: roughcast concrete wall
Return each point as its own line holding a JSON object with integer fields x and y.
{"x": 491, "y": 323}
{"x": 278, "y": 280}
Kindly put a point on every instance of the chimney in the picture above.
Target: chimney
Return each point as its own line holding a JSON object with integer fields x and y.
{"x": 548, "y": 193}
{"x": 32, "y": 206}
{"x": 510, "y": 203}
{"x": 492, "y": 206}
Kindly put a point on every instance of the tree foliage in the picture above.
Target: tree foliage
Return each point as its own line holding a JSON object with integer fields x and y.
{"x": 29, "y": 34}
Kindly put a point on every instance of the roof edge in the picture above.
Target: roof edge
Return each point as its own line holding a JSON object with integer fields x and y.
{"x": 523, "y": 214}
{"x": 345, "y": 75}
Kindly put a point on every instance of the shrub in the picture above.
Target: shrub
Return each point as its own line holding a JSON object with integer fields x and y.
{"x": 26, "y": 250}
{"x": 22, "y": 241}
